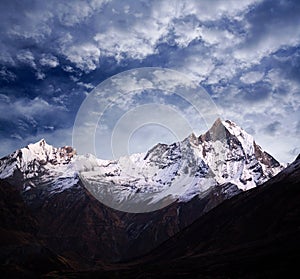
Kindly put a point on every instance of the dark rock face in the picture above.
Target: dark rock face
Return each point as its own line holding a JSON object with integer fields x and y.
{"x": 216, "y": 132}
{"x": 265, "y": 157}
{"x": 255, "y": 234}
{"x": 22, "y": 253}
{"x": 79, "y": 228}
{"x": 75, "y": 221}
{"x": 14, "y": 213}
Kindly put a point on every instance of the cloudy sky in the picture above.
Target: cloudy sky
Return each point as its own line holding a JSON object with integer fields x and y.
{"x": 245, "y": 54}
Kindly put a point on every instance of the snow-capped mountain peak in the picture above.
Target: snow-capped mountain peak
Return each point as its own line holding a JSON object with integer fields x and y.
{"x": 38, "y": 163}
{"x": 32, "y": 157}
{"x": 234, "y": 156}
{"x": 45, "y": 153}
{"x": 182, "y": 170}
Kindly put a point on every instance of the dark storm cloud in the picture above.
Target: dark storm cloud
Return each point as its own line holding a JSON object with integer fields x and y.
{"x": 272, "y": 128}
{"x": 52, "y": 54}
{"x": 256, "y": 92}
{"x": 272, "y": 24}
{"x": 271, "y": 14}
{"x": 288, "y": 60}
{"x": 39, "y": 33}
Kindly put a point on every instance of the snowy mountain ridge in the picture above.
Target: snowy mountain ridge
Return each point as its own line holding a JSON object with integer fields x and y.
{"x": 180, "y": 171}
{"x": 39, "y": 163}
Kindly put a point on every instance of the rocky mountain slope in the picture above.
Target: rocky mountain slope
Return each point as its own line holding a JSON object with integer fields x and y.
{"x": 255, "y": 234}
{"x": 252, "y": 235}
{"x": 23, "y": 254}
{"x": 182, "y": 181}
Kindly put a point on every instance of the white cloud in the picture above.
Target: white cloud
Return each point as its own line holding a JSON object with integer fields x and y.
{"x": 7, "y": 75}
{"x": 223, "y": 38}
{"x": 86, "y": 85}
{"x": 49, "y": 60}
{"x": 40, "y": 75}
{"x": 136, "y": 33}
{"x": 4, "y": 99}
{"x": 207, "y": 10}
{"x": 213, "y": 42}
{"x": 137, "y": 41}
{"x": 75, "y": 12}
{"x": 27, "y": 108}
{"x": 6, "y": 56}
{"x": 272, "y": 41}
{"x": 68, "y": 69}
{"x": 251, "y": 77}
{"x": 197, "y": 67}
{"x": 31, "y": 23}
{"x": 121, "y": 30}
{"x": 224, "y": 72}
{"x": 269, "y": 31}
{"x": 84, "y": 56}
{"x": 186, "y": 32}
{"x": 26, "y": 57}
{"x": 31, "y": 115}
